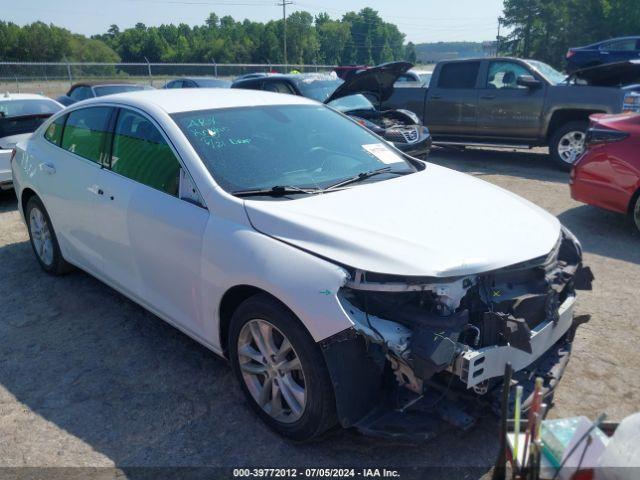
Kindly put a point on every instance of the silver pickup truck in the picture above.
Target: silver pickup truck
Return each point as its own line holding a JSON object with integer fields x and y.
{"x": 512, "y": 102}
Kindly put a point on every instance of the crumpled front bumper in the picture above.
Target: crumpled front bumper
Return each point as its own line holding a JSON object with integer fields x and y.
{"x": 476, "y": 366}
{"x": 367, "y": 403}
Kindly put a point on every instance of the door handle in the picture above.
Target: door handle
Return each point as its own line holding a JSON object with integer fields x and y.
{"x": 436, "y": 97}
{"x": 48, "y": 168}
{"x": 96, "y": 190}
{"x": 488, "y": 97}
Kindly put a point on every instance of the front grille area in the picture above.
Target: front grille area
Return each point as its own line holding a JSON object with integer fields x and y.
{"x": 402, "y": 134}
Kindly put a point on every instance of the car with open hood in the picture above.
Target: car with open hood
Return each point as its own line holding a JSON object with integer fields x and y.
{"x": 285, "y": 237}
{"x": 20, "y": 115}
{"x": 360, "y": 97}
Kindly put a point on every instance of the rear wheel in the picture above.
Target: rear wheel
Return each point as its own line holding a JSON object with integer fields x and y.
{"x": 567, "y": 143}
{"x": 281, "y": 369}
{"x": 43, "y": 239}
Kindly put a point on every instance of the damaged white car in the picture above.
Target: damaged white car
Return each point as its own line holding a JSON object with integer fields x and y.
{"x": 345, "y": 281}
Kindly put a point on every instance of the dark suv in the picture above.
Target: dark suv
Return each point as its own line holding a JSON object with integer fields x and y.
{"x": 608, "y": 51}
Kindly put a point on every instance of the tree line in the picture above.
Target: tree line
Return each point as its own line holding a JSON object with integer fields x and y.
{"x": 357, "y": 38}
{"x": 546, "y": 29}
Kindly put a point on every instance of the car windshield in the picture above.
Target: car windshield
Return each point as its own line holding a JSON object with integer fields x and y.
{"x": 296, "y": 146}
{"x": 18, "y": 108}
{"x": 317, "y": 88}
{"x": 103, "y": 90}
{"x": 352, "y": 102}
{"x": 547, "y": 71}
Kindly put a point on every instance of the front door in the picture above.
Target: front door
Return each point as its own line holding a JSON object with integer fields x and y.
{"x": 506, "y": 109}
{"x": 152, "y": 237}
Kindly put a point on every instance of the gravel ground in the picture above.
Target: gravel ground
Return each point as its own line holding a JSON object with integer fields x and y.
{"x": 89, "y": 379}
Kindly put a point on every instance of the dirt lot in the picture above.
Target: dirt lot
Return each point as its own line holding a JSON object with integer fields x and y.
{"x": 88, "y": 379}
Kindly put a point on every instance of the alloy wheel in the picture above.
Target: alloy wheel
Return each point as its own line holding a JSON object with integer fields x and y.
{"x": 571, "y": 146}
{"x": 272, "y": 371}
{"x": 41, "y": 236}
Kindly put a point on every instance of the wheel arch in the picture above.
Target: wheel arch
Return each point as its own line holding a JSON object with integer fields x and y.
{"x": 561, "y": 117}
{"x": 230, "y": 302}
{"x": 26, "y": 194}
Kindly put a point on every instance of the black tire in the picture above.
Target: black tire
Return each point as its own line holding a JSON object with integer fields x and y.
{"x": 558, "y": 136}
{"x": 635, "y": 213}
{"x": 58, "y": 265}
{"x": 319, "y": 412}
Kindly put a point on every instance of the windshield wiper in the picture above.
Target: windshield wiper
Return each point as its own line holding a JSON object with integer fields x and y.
{"x": 362, "y": 176}
{"x": 275, "y": 191}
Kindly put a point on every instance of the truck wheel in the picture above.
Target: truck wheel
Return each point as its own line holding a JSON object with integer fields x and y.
{"x": 281, "y": 369}
{"x": 567, "y": 143}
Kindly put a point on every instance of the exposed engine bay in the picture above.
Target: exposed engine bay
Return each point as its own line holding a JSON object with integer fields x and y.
{"x": 399, "y": 126}
{"x": 458, "y": 334}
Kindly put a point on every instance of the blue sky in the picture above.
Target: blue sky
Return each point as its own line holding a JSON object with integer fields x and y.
{"x": 420, "y": 20}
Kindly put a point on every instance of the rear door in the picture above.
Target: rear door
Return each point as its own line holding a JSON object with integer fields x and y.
{"x": 72, "y": 153}
{"x": 150, "y": 233}
{"x": 506, "y": 109}
{"x": 452, "y": 103}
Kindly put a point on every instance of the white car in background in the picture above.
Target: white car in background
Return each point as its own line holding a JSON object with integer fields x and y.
{"x": 345, "y": 281}
{"x": 20, "y": 115}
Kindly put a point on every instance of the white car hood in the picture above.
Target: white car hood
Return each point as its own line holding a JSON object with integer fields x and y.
{"x": 436, "y": 223}
{"x": 11, "y": 141}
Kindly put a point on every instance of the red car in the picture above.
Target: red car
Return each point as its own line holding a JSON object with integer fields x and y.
{"x": 608, "y": 174}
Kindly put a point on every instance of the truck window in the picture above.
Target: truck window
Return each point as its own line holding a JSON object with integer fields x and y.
{"x": 504, "y": 75}
{"x": 459, "y": 75}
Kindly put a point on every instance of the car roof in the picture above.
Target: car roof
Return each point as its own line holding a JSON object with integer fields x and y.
{"x": 191, "y": 100}
{"x": 23, "y": 96}
{"x": 601, "y": 42}
{"x": 100, "y": 84}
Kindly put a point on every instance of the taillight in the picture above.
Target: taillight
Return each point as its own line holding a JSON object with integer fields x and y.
{"x": 13, "y": 155}
{"x": 599, "y": 136}
{"x": 570, "y": 53}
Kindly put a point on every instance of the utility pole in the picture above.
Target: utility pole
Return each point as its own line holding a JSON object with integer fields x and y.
{"x": 498, "y": 38}
{"x": 284, "y": 4}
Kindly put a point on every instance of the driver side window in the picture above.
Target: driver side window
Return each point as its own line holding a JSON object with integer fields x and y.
{"x": 504, "y": 75}
{"x": 141, "y": 153}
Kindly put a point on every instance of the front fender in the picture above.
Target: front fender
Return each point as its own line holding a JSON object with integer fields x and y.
{"x": 235, "y": 254}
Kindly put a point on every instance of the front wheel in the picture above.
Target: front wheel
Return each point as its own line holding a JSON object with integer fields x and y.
{"x": 281, "y": 369}
{"x": 567, "y": 143}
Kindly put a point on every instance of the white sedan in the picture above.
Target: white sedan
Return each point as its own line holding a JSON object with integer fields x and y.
{"x": 344, "y": 281}
{"x": 20, "y": 115}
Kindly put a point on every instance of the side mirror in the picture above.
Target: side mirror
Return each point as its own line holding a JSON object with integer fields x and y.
{"x": 528, "y": 81}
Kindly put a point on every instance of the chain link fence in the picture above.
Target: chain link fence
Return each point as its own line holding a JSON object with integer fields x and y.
{"x": 55, "y": 78}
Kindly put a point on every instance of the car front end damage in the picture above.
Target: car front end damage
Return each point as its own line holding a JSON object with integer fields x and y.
{"x": 427, "y": 352}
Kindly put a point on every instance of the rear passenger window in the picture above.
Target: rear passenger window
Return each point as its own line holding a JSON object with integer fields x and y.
{"x": 459, "y": 75}
{"x": 141, "y": 153}
{"x": 54, "y": 131}
{"x": 85, "y": 132}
